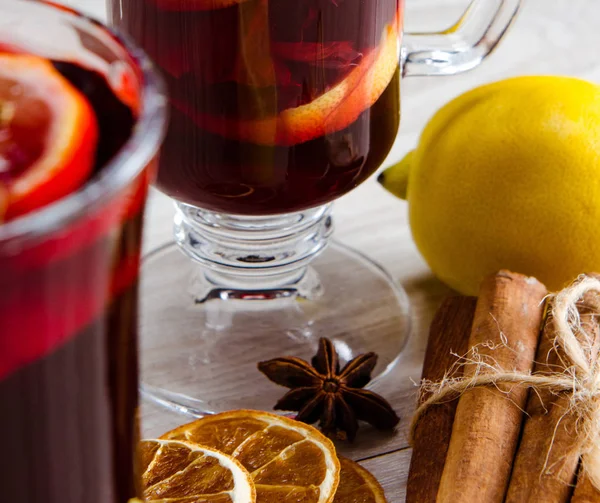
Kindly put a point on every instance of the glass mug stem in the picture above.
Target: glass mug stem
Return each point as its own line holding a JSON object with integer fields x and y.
{"x": 265, "y": 255}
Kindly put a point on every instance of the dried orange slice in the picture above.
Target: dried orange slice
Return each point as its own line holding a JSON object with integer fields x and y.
{"x": 181, "y": 472}
{"x": 332, "y": 111}
{"x": 190, "y": 5}
{"x": 357, "y": 485}
{"x": 48, "y": 134}
{"x": 289, "y": 461}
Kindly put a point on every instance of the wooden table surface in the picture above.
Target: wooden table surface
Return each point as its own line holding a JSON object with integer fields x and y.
{"x": 550, "y": 37}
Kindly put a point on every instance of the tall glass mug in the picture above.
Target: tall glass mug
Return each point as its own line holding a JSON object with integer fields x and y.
{"x": 278, "y": 108}
{"x": 68, "y": 278}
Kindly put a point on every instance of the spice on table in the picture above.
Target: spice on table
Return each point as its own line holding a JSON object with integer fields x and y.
{"x": 357, "y": 485}
{"x": 545, "y": 467}
{"x": 488, "y": 420}
{"x": 244, "y": 456}
{"x": 448, "y": 339}
{"x": 558, "y": 459}
{"x": 287, "y": 460}
{"x": 323, "y": 392}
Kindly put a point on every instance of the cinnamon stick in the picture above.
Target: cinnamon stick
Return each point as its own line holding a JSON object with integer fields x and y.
{"x": 585, "y": 492}
{"x": 548, "y": 455}
{"x": 448, "y": 336}
{"x": 488, "y": 420}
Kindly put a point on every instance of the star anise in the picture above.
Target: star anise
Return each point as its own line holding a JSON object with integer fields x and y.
{"x": 322, "y": 392}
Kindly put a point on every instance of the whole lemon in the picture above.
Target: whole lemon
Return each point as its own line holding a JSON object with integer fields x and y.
{"x": 507, "y": 176}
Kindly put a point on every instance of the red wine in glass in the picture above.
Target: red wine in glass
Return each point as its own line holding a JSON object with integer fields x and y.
{"x": 277, "y": 105}
{"x": 68, "y": 374}
{"x": 69, "y": 269}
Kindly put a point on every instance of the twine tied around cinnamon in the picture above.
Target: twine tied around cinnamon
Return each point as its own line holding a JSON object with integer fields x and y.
{"x": 578, "y": 374}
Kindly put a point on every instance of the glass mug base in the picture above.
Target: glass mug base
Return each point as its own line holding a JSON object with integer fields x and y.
{"x": 200, "y": 345}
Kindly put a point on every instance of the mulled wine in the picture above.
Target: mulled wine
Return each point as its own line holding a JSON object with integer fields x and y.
{"x": 276, "y": 105}
{"x": 68, "y": 302}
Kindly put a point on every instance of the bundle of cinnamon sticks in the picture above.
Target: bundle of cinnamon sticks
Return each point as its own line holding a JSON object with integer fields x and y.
{"x": 498, "y": 422}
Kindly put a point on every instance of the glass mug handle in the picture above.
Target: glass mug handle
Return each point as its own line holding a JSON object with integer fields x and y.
{"x": 463, "y": 46}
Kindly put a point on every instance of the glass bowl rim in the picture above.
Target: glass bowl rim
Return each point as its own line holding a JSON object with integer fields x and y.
{"x": 132, "y": 158}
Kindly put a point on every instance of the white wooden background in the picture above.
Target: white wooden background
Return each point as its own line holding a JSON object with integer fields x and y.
{"x": 550, "y": 37}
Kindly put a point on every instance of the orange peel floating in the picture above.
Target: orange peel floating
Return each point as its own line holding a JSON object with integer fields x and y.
{"x": 48, "y": 135}
{"x": 3, "y": 202}
{"x": 333, "y": 111}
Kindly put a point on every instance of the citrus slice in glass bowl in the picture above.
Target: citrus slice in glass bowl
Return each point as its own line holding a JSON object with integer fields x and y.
{"x": 288, "y": 461}
{"x": 357, "y": 485}
{"x": 3, "y": 202}
{"x": 48, "y": 135}
{"x": 181, "y": 472}
{"x": 333, "y": 111}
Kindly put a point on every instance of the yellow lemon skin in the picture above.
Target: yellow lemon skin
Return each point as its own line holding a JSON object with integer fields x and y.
{"x": 508, "y": 176}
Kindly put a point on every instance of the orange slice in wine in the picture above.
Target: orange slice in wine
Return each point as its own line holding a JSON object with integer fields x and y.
{"x": 334, "y": 110}
{"x": 48, "y": 135}
{"x": 3, "y": 202}
{"x": 191, "y": 5}
{"x": 181, "y": 472}
{"x": 288, "y": 461}
{"x": 357, "y": 485}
